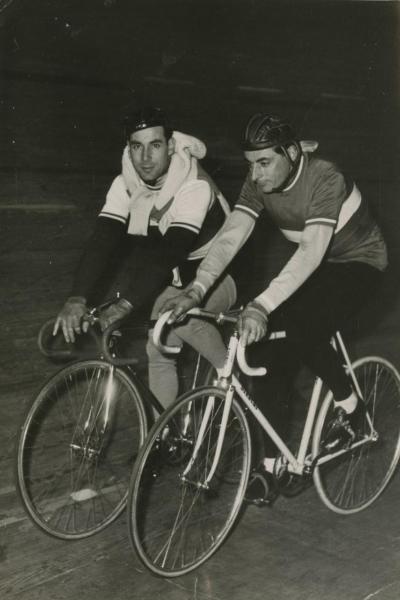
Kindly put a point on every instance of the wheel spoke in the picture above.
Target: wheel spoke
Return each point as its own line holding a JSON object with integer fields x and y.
{"x": 77, "y": 448}
{"x": 352, "y": 481}
{"x": 177, "y": 521}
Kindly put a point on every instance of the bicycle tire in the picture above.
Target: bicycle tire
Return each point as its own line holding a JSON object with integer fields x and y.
{"x": 352, "y": 481}
{"x": 72, "y": 472}
{"x": 175, "y": 525}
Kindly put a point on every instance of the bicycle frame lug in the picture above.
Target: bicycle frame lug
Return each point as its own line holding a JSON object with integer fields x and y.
{"x": 222, "y": 382}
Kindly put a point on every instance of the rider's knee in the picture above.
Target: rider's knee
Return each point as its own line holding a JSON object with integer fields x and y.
{"x": 156, "y": 356}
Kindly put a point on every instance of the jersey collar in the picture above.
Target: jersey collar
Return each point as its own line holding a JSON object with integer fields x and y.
{"x": 299, "y": 171}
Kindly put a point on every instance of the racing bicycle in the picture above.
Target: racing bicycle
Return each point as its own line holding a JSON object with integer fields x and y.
{"x": 190, "y": 477}
{"x": 81, "y": 434}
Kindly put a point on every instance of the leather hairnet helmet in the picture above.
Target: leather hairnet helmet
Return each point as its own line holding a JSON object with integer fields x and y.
{"x": 265, "y": 131}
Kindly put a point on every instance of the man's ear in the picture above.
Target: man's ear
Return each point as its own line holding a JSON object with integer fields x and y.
{"x": 171, "y": 146}
{"x": 293, "y": 152}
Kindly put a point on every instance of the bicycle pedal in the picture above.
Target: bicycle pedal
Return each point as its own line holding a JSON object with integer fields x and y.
{"x": 261, "y": 502}
{"x": 255, "y": 501}
{"x": 338, "y": 444}
{"x": 350, "y": 431}
{"x": 261, "y": 489}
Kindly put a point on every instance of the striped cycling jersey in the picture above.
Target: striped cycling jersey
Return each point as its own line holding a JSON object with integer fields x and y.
{"x": 198, "y": 206}
{"x": 321, "y": 194}
{"x": 178, "y": 237}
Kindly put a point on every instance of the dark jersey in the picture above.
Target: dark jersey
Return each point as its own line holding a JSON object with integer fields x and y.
{"x": 321, "y": 194}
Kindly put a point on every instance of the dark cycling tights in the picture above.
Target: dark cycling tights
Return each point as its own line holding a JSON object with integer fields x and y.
{"x": 329, "y": 298}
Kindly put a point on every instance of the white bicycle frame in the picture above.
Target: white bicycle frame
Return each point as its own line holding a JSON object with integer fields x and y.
{"x": 229, "y": 382}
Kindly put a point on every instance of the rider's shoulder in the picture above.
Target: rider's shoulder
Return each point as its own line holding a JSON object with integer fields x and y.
{"x": 322, "y": 167}
{"x": 118, "y": 185}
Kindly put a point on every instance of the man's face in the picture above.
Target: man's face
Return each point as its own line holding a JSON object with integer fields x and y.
{"x": 268, "y": 169}
{"x": 150, "y": 152}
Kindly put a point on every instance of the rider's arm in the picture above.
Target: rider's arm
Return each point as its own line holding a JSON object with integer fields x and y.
{"x": 178, "y": 229}
{"x": 226, "y": 244}
{"x": 109, "y": 231}
{"x": 153, "y": 267}
{"x": 313, "y": 245}
{"x": 108, "y": 234}
{"x": 230, "y": 239}
{"x": 99, "y": 249}
{"x": 329, "y": 191}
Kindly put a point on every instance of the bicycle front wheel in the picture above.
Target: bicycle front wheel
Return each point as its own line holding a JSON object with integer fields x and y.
{"x": 76, "y": 449}
{"x": 177, "y": 517}
{"x": 353, "y": 480}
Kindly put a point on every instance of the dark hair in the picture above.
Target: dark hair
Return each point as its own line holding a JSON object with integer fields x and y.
{"x": 148, "y": 116}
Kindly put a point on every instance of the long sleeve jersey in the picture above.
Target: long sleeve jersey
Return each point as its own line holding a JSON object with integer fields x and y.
{"x": 178, "y": 237}
{"x": 321, "y": 210}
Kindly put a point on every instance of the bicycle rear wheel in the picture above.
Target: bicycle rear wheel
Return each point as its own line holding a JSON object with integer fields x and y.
{"x": 176, "y": 521}
{"x": 353, "y": 480}
{"x": 76, "y": 449}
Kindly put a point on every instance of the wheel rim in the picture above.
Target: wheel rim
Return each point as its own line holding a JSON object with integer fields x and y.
{"x": 176, "y": 524}
{"x": 77, "y": 450}
{"x": 355, "y": 479}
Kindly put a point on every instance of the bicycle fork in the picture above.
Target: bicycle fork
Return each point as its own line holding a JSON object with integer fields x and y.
{"x": 223, "y": 380}
{"x": 91, "y": 425}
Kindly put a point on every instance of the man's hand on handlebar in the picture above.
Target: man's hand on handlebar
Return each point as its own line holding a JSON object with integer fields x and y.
{"x": 115, "y": 312}
{"x": 252, "y": 323}
{"x": 70, "y": 318}
{"x": 181, "y": 303}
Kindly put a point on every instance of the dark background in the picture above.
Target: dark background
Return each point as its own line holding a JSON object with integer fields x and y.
{"x": 71, "y": 69}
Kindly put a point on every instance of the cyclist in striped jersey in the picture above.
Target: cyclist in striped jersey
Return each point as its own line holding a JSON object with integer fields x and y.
{"x": 338, "y": 263}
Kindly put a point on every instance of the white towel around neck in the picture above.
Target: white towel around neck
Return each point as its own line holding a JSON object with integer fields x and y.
{"x": 187, "y": 150}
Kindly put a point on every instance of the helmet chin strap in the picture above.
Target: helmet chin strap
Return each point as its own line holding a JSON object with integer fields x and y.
{"x": 294, "y": 164}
